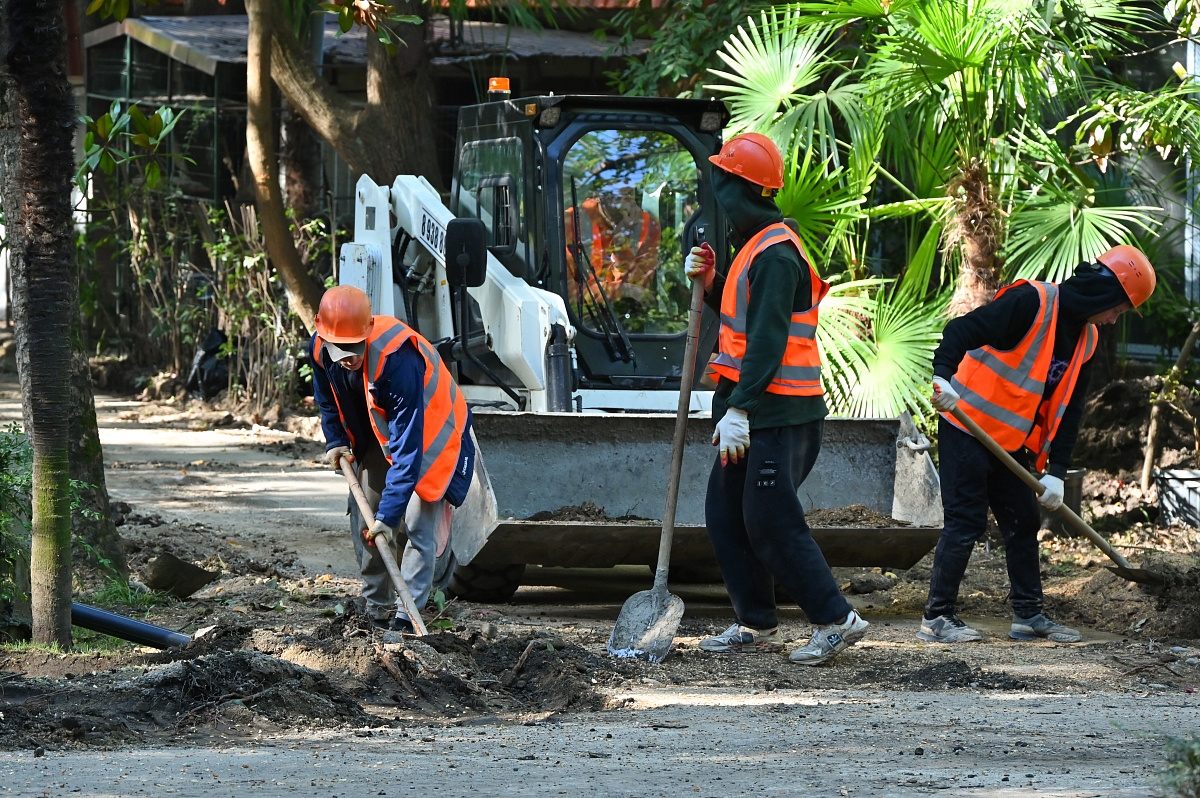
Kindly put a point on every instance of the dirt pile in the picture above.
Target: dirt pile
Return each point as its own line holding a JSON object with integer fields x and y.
{"x": 856, "y": 515}
{"x": 1114, "y": 427}
{"x": 222, "y": 689}
{"x": 146, "y": 536}
{"x": 588, "y": 511}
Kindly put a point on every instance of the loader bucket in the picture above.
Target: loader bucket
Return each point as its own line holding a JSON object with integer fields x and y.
{"x": 534, "y": 465}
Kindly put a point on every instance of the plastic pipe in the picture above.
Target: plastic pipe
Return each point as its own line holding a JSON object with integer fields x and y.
{"x": 109, "y": 623}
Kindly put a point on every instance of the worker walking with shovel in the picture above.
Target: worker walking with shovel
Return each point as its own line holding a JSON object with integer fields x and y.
{"x": 770, "y": 411}
{"x": 1018, "y": 368}
{"x": 390, "y": 406}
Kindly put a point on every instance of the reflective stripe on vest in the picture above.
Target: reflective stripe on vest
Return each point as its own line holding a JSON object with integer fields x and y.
{"x": 799, "y": 374}
{"x": 1002, "y": 391}
{"x": 445, "y": 408}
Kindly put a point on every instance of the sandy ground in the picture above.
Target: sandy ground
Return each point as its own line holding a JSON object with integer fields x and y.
{"x": 994, "y": 718}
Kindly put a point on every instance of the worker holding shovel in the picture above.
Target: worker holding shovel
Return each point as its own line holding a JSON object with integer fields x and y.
{"x": 389, "y": 405}
{"x": 770, "y": 411}
{"x": 1018, "y": 368}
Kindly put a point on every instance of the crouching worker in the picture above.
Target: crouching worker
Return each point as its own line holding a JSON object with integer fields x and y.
{"x": 391, "y": 407}
{"x": 770, "y": 412}
{"x": 1019, "y": 368}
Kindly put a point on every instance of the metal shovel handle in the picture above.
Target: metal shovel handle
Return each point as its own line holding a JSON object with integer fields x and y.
{"x": 1029, "y": 479}
{"x": 385, "y": 551}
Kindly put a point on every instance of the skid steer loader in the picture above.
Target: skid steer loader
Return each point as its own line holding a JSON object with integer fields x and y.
{"x": 562, "y": 307}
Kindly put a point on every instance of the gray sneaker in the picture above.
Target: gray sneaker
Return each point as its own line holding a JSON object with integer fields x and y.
{"x": 829, "y": 641}
{"x": 1039, "y": 627}
{"x": 739, "y": 639}
{"x": 946, "y": 629}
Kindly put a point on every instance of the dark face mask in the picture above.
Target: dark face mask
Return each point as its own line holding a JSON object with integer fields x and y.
{"x": 744, "y": 205}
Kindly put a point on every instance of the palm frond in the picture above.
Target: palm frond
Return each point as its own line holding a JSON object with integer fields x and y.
{"x": 769, "y": 66}
{"x": 1167, "y": 119}
{"x": 817, "y": 196}
{"x": 1051, "y": 235}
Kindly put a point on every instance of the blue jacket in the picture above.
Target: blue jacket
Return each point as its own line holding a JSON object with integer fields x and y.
{"x": 400, "y": 391}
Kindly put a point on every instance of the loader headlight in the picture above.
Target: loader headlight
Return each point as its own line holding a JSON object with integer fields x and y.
{"x": 710, "y": 121}
{"x": 550, "y": 116}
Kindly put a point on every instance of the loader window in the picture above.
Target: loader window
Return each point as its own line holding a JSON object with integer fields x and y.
{"x": 627, "y": 195}
{"x": 491, "y": 189}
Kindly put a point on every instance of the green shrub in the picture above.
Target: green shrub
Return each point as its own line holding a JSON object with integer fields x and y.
{"x": 1181, "y": 778}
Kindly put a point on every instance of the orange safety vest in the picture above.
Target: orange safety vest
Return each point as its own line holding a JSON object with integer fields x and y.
{"x": 1002, "y": 390}
{"x": 445, "y": 408}
{"x": 800, "y": 372}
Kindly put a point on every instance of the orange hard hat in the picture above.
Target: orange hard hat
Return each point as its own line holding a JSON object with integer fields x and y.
{"x": 1132, "y": 268}
{"x": 344, "y": 316}
{"x": 754, "y": 157}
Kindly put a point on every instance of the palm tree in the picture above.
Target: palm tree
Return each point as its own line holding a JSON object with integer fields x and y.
{"x": 37, "y": 198}
{"x": 985, "y": 130}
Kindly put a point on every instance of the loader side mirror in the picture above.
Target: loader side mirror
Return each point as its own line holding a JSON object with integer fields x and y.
{"x": 466, "y": 253}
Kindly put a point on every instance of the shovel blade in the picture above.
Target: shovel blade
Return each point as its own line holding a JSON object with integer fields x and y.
{"x": 1140, "y": 575}
{"x": 646, "y": 627}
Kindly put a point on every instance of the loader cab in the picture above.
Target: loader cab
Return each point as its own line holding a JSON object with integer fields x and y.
{"x": 598, "y": 199}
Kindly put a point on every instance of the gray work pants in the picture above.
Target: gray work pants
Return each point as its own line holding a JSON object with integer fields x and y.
{"x": 422, "y": 522}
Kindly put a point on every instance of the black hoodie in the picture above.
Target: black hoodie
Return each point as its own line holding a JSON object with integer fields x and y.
{"x": 1003, "y": 322}
{"x": 779, "y": 286}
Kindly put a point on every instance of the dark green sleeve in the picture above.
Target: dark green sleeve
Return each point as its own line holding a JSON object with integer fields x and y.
{"x": 779, "y": 286}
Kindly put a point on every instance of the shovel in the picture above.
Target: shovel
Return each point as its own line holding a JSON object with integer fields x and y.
{"x": 648, "y": 620}
{"x": 385, "y": 552}
{"x": 1122, "y": 568}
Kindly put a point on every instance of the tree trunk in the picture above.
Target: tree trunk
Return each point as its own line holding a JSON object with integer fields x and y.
{"x": 300, "y": 157}
{"x": 45, "y": 304}
{"x": 91, "y": 523}
{"x": 977, "y": 230}
{"x": 394, "y": 134}
{"x": 304, "y": 293}
{"x": 1170, "y": 382}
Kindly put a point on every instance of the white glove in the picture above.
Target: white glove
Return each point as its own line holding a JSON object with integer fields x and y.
{"x": 1052, "y": 498}
{"x": 944, "y": 397}
{"x": 732, "y": 435}
{"x": 701, "y": 262}
{"x": 337, "y": 453}
{"x": 379, "y": 528}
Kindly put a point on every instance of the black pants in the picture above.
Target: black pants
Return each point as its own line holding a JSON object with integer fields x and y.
{"x": 973, "y": 480}
{"x": 756, "y": 525}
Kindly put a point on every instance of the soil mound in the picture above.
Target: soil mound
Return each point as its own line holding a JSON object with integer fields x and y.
{"x": 588, "y": 511}
{"x": 222, "y": 689}
{"x": 1115, "y": 422}
{"x": 856, "y": 515}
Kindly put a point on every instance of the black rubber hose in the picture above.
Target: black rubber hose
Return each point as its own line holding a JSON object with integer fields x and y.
{"x": 144, "y": 634}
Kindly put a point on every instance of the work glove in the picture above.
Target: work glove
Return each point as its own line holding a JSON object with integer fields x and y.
{"x": 701, "y": 263}
{"x": 378, "y": 528}
{"x": 337, "y": 453}
{"x": 1052, "y": 498}
{"x": 732, "y": 435}
{"x": 944, "y": 397}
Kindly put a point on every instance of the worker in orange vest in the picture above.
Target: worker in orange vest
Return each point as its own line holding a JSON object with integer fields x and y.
{"x": 1019, "y": 368}
{"x": 623, "y": 246}
{"x": 389, "y": 405}
{"x": 769, "y": 409}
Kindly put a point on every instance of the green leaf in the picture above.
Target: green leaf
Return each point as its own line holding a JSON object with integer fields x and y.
{"x": 138, "y": 119}
{"x": 153, "y": 174}
{"x": 107, "y": 164}
{"x": 94, "y": 6}
{"x": 142, "y": 140}
{"x": 345, "y": 19}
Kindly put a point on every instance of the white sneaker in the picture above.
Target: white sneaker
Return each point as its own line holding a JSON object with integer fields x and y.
{"x": 946, "y": 629}
{"x": 739, "y": 639}
{"x": 829, "y": 641}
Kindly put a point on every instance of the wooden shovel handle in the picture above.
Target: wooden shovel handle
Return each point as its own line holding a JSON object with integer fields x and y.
{"x": 385, "y": 552}
{"x": 1033, "y": 482}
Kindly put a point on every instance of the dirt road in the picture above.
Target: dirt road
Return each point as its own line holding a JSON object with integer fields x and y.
{"x": 675, "y": 743}
{"x": 458, "y": 718}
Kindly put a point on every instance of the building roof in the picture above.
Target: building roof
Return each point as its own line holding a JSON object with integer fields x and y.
{"x": 205, "y": 42}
